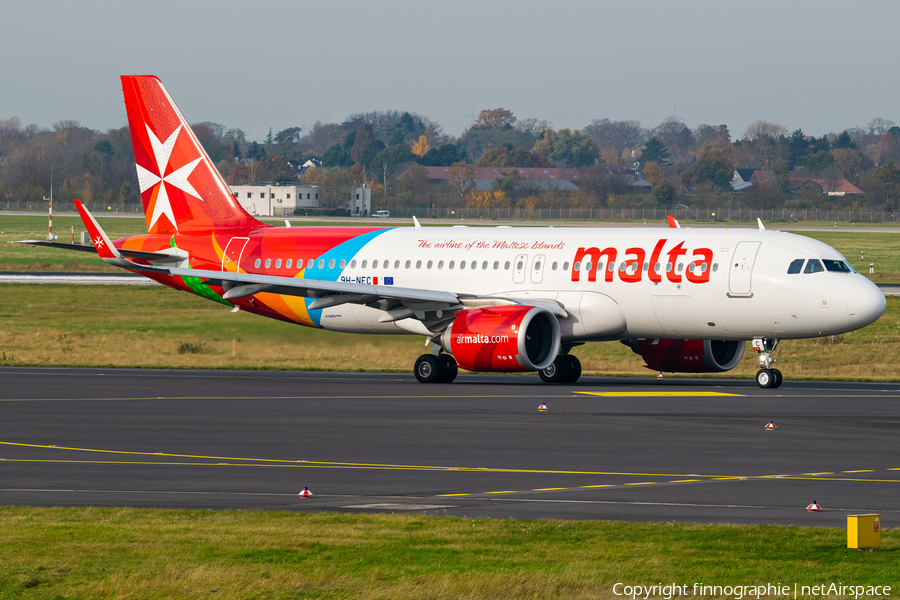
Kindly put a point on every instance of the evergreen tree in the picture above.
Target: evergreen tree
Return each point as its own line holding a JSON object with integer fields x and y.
{"x": 798, "y": 148}
{"x": 844, "y": 141}
{"x": 654, "y": 151}
{"x": 336, "y": 157}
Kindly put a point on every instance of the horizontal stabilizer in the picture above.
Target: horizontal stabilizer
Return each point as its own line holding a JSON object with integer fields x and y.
{"x": 154, "y": 256}
{"x": 60, "y": 245}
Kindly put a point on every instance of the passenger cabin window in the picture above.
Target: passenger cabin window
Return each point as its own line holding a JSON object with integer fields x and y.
{"x": 407, "y": 264}
{"x": 257, "y": 263}
{"x": 396, "y": 264}
{"x": 813, "y": 266}
{"x": 836, "y": 266}
{"x": 418, "y": 264}
{"x": 484, "y": 265}
{"x": 343, "y": 263}
{"x": 321, "y": 263}
{"x": 577, "y": 266}
{"x": 278, "y": 264}
{"x": 331, "y": 264}
{"x": 452, "y": 264}
{"x": 475, "y": 264}
{"x": 497, "y": 265}
{"x": 428, "y": 265}
{"x": 288, "y": 265}
{"x": 795, "y": 267}
{"x": 462, "y": 264}
{"x": 566, "y": 266}
{"x": 268, "y": 262}
{"x": 353, "y": 264}
{"x": 440, "y": 264}
{"x": 554, "y": 265}
{"x": 506, "y": 265}
{"x": 364, "y": 263}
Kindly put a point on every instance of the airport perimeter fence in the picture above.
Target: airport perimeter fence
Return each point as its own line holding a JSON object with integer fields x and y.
{"x": 98, "y": 208}
{"x": 610, "y": 214}
{"x": 620, "y": 215}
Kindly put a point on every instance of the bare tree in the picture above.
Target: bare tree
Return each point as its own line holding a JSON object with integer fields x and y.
{"x": 677, "y": 137}
{"x": 833, "y": 179}
{"x": 533, "y": 127}
{"x": 461, "y": 177}
{"x": 879, "y": 126}
{"x": 323, "y": 136}
{"x": 616, "y": 134}
{"x": 764, "y": 129}
{"x": 334, "y": 187}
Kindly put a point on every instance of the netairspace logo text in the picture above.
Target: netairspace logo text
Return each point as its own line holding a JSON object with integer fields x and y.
{"x": 673, "y": 590}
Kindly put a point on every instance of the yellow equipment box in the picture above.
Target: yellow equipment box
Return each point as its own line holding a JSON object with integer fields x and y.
{"x": 863, "y": 531}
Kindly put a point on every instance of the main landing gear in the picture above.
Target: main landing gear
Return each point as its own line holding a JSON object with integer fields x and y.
{"x": 564, "y": 369}
{"x": 436, "y": 368}
{"x": 767, "y": 377}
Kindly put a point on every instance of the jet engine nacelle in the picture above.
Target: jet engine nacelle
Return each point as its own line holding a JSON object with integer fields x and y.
{"x": 503, "y": 338}
{"x": 688, "y": 356}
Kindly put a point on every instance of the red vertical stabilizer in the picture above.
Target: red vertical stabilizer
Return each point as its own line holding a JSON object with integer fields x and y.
{"x": 180, "y": 187}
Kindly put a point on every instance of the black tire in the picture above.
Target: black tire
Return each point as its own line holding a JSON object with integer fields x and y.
{"x": 428, "y": 369}
{"x": 450, "y": 369}
{"x": 556, "y": 372}
{"x": 765, "y": 378}
{"x": 574, "y": 366}
{"x": 779, "y": 378}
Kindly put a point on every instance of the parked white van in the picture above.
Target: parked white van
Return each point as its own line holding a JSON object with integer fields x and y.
{"x": 383, "y": 214}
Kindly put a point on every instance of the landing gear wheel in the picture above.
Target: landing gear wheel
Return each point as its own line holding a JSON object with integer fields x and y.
{"x": 574, "y": 366}
{"x": 765, "y": 378}
{"x": 556, "y": 372}
{"x": 428, "y": 369}
{"x": 450, "y": 370}
{"x": 779, "y": 378}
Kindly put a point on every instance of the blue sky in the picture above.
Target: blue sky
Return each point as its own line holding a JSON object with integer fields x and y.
{"x": 822, "y": 66}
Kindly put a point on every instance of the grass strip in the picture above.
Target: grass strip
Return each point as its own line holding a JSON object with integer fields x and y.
{"x": 140, "y": 553}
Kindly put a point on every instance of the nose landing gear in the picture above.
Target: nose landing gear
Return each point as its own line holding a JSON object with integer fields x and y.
{"x": 767, "y": 377}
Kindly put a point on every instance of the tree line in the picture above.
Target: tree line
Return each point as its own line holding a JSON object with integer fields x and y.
{"x": 388, "y": 150}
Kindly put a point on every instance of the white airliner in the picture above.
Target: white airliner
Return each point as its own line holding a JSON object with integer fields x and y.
{"x": 489, "y": 299}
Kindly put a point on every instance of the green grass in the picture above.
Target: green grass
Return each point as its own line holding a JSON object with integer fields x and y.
{"x": 123, "y": 326}
{"x": 133, "y": 553}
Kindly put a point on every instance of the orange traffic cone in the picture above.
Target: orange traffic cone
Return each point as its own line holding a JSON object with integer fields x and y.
{"x": 813, "y": 507}
{"x": 770, "y": 426}
{"x": 542, "y": 407}
{"x": 306, "y": 493}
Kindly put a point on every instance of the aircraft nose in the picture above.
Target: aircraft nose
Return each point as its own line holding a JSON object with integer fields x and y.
{"x": 865, "y": 303}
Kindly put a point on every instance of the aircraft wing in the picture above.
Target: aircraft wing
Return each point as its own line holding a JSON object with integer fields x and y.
{"x": 432, "y": 307}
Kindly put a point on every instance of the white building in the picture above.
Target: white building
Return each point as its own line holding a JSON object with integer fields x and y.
{"x": 282, "y": 200}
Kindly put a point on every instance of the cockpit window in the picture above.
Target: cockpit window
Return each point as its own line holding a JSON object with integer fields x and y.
{"x": 836, "y": 266}
{"x": 814, "y": 266}
{"x": 796, "y": 266}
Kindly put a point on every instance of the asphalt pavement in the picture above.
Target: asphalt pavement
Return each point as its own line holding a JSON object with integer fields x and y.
{"x": 627, "y": 449}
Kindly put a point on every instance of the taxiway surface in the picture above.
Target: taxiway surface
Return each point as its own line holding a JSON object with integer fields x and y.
{"x": 628, "y": 449}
